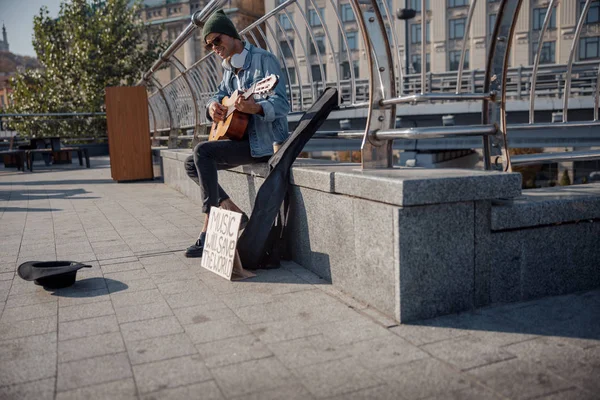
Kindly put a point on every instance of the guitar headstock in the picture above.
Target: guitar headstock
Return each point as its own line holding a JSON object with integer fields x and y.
{"x": 265, "y": 85}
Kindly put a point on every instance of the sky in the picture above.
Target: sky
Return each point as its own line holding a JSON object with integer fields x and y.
{"x": 17, "y": 16}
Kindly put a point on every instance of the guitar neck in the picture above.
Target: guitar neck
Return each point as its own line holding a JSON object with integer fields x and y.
{"x": 263, "y": 86}
{"x": 248, "y": 92}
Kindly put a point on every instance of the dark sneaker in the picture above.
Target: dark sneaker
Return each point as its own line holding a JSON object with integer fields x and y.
{"x": 197, "y": 248}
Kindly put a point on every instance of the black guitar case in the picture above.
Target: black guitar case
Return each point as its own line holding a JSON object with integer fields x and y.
{"x": 254, "y": 240}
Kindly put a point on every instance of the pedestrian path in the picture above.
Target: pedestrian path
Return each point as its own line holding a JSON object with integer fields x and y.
{"x": 147, "y": 323}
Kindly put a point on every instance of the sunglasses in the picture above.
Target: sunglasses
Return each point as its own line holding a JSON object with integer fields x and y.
{"x": 215, "y": 42}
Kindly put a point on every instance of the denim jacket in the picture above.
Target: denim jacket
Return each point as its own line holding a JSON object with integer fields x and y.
{"x": 271, "y": 127}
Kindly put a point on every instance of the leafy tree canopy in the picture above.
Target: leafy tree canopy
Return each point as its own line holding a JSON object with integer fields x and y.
{"x": 91, "y": 45}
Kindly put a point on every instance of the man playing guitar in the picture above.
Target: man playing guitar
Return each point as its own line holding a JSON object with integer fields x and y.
{"x": 244, "y": 64}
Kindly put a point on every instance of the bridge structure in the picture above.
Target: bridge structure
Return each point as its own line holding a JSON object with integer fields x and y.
{"x": 548, "y": 101}
{"x": 413, "y": 242}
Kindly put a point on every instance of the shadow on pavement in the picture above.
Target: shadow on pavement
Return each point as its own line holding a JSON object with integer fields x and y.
{"x": 282, "y": 275}
{"x": 27, "y": 209}
{"x": 42, "y": 194}
{"x": 90, "y": 287}
{"x": 62, "y": 182}
{"x": 575, "y": 316}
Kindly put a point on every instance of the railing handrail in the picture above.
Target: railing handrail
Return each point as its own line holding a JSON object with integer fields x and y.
{"x": 76, "y": 114}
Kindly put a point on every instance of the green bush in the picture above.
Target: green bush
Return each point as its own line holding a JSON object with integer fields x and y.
{"x": 91, "y": 45}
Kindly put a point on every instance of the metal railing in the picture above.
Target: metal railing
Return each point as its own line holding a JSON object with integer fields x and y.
{"x": 296, "y": 32}
{"x": 72, "y": 127}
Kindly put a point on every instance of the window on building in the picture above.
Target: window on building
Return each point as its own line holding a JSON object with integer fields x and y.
{"x": 589, "y": 48}
{"x": 346, "y": 69}
{"x": 416, "y": 63}
{"x": 457, "y": 28}
{"x": 415, "y": 33}
{"x": 287, "y": 49}
{"x": 416, "y": 5}
{"x": 454, "y": 60}
{"x": 313, "y": 17}
{"x": 320, "y": 43}
{"x": 539, "y": 14}
{"x": 316, "y": 72}
{"x": 351, "y": 37}
{"x": 346, "y": 12}
{"x": 593, "y": 15}
{"x": 292, "y": 72}
{"x": 491, "y": 23}
{"x": 457, "y": 3}
{"x": 548, "y": 54}
{"x": 285, "y": 22}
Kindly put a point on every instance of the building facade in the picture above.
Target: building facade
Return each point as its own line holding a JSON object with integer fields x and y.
{"x": 446, "y": 28}
{"x": 173, "y": 16}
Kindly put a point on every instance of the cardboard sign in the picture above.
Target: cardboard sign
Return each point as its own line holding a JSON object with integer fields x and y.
{"x": 221, "y": 240}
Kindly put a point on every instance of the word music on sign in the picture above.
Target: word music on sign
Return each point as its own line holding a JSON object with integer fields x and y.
{"x": 221, "y": 240}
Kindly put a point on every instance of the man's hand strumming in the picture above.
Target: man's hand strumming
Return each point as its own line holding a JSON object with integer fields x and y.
{"x": 217, "y": 111}
{"x": 248, "y": 106}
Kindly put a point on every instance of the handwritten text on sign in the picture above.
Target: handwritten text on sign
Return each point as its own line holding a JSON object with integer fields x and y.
{"x": 221, "y": 239}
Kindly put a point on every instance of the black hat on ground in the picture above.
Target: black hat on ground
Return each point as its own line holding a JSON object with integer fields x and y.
{"x": 50, "y": 274}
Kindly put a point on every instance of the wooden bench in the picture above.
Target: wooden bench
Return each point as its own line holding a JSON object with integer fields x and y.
{"x": 53, "y": 148}
{"x": 81, "y": 151}
{"x": 13, "y": 156}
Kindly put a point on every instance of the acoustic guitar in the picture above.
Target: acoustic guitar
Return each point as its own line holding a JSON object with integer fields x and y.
{"x": 235, "y": 122}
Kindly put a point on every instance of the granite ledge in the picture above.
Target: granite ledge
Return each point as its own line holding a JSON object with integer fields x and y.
{"x": 538, "y": 207}
{"x": 176, "y": 154}
{"x": 420, "y": 186}
{"x": 398, "y": 186}
{"x": 259, "y": 169}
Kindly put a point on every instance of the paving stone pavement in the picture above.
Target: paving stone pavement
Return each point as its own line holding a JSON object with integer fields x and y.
{"x": 146, "y": 323}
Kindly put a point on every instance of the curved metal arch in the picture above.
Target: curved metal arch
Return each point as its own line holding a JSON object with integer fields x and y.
{"x": 170, "y": 91}
{"x": 264, "y": 36}
{"x": 183, "y": 73}
{"x": 215, "y": 70}
{"x": 375, "y": 153}
{"x": 312, "y": 38}
{"x": 536, "y": 62}
{"x": 495, "y": 79}
{"x": 424, "y": 48}
{"x": 348, "y": 53}
{"x": 160, "y": 91}
{"x": 333, "y": 53}
{"x": 298, "y": 74}
{"x": 567, "y": 90}
{"x": 281, "y": 52}
{"x": 396, "y": 47}
{"x": 597, "y": 95}
{"x": 287, "y": 71}
{"x": 464, "y": 46}
{"x": 152, "y": 119}
{"x": 255, "y": 39}
{"x": 202, "y": 88}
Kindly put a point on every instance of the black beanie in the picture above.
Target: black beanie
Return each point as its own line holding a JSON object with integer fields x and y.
{"x": 219, "y": 23}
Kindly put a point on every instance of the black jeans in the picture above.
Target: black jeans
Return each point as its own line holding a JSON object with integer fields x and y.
{"x": 208, "y": 158}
